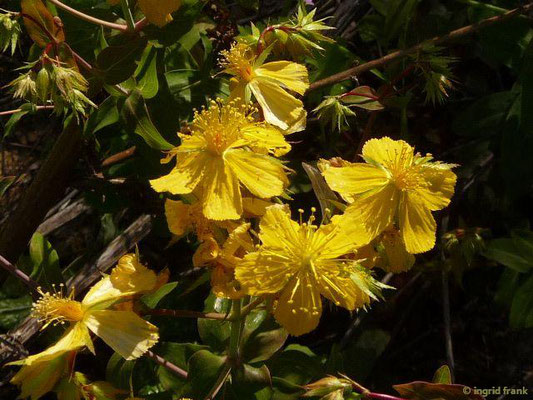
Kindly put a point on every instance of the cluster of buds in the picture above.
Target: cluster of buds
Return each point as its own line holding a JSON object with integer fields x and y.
{"x": 298, "y": 37}
{"x": 435, "y": 69}
{"x": 464, "y": 243}
{"x": 336, "y": 110}
{"x": 329, "y": 388}
{"x": 9, "y": 30}
{"x": 53, "y": 83}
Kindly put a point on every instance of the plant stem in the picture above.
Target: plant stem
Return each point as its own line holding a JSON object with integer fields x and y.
{"x": 455, "y": 34}
{"x": 381, "y": 396}
{"x": 10, "y": 112}
{"x": 167, "y": 364}
{"x": 88, "y": 18}
{"x": 250, "y": 307}
{"x": 236, "y": 330}
{"x": 29, "y": 282}
{"x": 126, "y": 11}
{"x": 187, "y": 314}
{"x": 219, "y": 382}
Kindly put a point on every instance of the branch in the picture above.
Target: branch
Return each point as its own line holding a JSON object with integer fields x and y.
{"x": 116, "y": 158}
{"x": 88, "y": 18}
{"x": 10, "y": 112}
{"x": 167, "y": 364}
{"x": 29, "y": 282}
{"x": 380, "y": 62}
{"x": 219, "y": 383}
{"x": 187, "y": 314}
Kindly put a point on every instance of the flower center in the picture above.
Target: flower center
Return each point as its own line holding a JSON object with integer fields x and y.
{"x": 54, "y": 308}
{"x": 238, "y": 61}
{"x": 407, "y": 179}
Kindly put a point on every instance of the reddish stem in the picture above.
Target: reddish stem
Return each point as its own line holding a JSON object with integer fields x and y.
{"x": 187, "y": 314}
{"x": 272, "y": 28}
{"x": 380, "y": 396}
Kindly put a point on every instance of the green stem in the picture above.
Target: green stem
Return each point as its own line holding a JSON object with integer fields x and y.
{"x": 128, "y": 16}
{"x": 491, "y": 7}
{"x": 237, "y": 325}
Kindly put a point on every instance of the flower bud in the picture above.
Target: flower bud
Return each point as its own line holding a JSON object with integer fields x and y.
{"x": 43, "y": 84}
{"x": 327, "y": 386}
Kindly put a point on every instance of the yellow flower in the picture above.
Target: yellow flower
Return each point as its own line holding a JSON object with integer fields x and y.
{"x": 157, "y": 11}
{"x": 183, "y": 218}
{"x": 395, "y": 257}
{"x": 301, "y": 262}
{"x": 395, "y": 185}
{"x": 40, "y": 373}
{"x": 226, "y": 149}
{"x": 270, "y": 84}
{"x": 223, "y": 259}
{"x": 124, "y": 331}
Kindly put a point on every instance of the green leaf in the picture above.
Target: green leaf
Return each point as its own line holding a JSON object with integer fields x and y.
{"x": 263, "y": 341}
{"x": 485, "y": 116}
{"x": 521, "y": 315}
{"x": 363, "y": 97}
{"x": 5, "y": 183}
{"x": 178, "y": 354}
{"x": 106, "y": 114}
{"x": 296, "y": 364}
{"x": 45, "y": 261}
{"x": 146, "y": 73}
{"x": 119, "y": 371}
{"x": 12, "y": 311}
{"x": 135, "y": 113}
{"x": 436, "y": 391}
{"x": 117, "y": 62}
{"x": 15, "y": 118}
{"x": 204, "y": 370}
{"x": 511, "y": 252}
{"x": 215, "y": 333}
{"x": 152, "y": 299}
{"x": 443, "y": 375}
{"x": 247, "y": 380}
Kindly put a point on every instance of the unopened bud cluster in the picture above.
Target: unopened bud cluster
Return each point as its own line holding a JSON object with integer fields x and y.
{"x": 62, "y": 86}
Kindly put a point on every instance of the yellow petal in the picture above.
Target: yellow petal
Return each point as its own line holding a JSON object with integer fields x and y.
{"x": 124, "y": 331}
{"x": 131, "y": 276}
{"x": 299, "y": 308}
{"x": 280, "y": 108}
{"x": 340, "y": 237}
{"x": 354, "y": 179}
{"x": 262, "y": 175}
{"x": 185, "y": 176}
{"x": 178, "y": 217}
{"x": 417, "y": 226}
{"x": 397, "y": 258}
{"x": 39, "y": 378}
{"x": 224, "y": 285}
{"x": 338, "y": 286}
{"x": 278, "y": 230}
{"x": 206, "y": 253}
{"x": 158, "y": 11}
{"x": 254, "y": 207}
{"x": 289, "y": 74}
{"x": 239, "y": 240}
{"x": 375, "y": 211}
{"x": 221, "y": 194}
{"x": 441, "y": 186}
{"x": 392, "y": 154}
{"x": 74, "y": 339}
{"x": 260, "y": 273}
{"x": 266, "y": 138}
